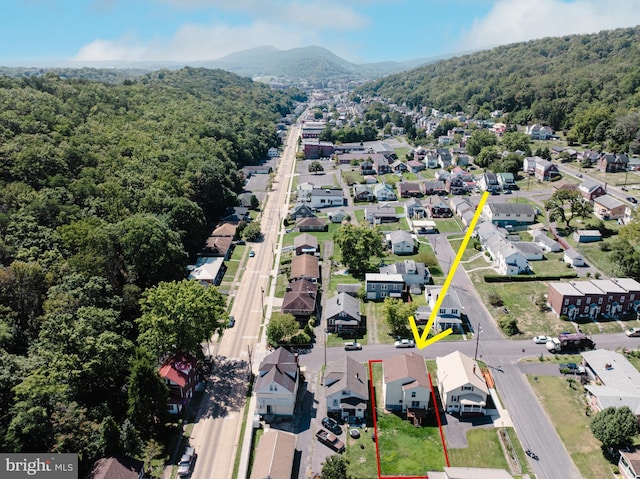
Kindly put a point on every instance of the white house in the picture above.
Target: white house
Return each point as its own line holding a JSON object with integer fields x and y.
{"x": 405, "y": 382}
{"x": 277, "y": 384}
{"x": 326, "y": 197}
{"x": 547, "y": 244}
{"x": 461, "y": 384}
{"x": 384, "y": 192}
{"x": 401, "y": 242}
{"x": 512, "y": 214}
{"x": 450, "y": 310}
{"x": 346, "y": 388}
{"x": 511, "y": 261}
{"x": 572, "y": 257}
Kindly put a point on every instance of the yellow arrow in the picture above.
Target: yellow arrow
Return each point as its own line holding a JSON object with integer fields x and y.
{"x": 422, "y": 341}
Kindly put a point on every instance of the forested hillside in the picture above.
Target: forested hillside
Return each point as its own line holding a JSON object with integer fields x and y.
{"x": 105, "y": 191}
{"x": 548, "y": 80}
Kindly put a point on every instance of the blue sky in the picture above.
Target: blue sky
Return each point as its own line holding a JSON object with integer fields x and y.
{"x": 83, "y": 32}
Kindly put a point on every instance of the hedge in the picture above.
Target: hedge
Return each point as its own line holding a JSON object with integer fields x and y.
{"x": 498, "y": 278}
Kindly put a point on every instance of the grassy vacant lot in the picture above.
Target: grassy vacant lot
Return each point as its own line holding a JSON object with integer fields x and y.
{"x": 405, "y": 449}
{"x": 447, "y": 225}
{"x": 469, "y": 251}
{"x": 566, "y": 409}
{"x": 484, "y": 450}
{"x": 361, "y": 457}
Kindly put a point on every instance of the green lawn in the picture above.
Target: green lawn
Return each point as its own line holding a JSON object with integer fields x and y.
{"x": 447, "y": 225}
{"x": 405, "y": 449}
{"x": 484, "y": 450}
{"x": 469, "y": 251}
{"x": 564, "y": 404}
{"x": 361, "y": 457}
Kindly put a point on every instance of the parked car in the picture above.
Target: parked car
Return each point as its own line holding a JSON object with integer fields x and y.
{"x": 332, "y": 425}
{"x": 252, "y": 254}
{"x": 572, "y": 368}
{"x": 633, "y": 332}
{"x": 632, "y": 199}
{"x": 404, "y": 343}
{"x": 330, "y": 440}
{"x": 232, "y": 322}
{"x": 352, "y": 346}
{"x": 540, "y": 340}
{"x": 187, "y": 462}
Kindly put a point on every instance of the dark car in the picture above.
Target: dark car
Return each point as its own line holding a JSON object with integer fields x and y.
{"x": 187, "y": 461}
{"x": 632, "y": 199}
{"x": 232, "y": 322}
{"x": 332, "y": 425}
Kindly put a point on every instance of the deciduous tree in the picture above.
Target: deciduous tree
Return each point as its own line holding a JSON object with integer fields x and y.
{"x": 614, "y": 426}
{"x": 564, "y": 205}
{"x": 358, "y": 245}
{"x": 281, "y": 328}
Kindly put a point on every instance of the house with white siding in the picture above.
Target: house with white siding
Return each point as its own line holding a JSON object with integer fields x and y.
{"x": 405, "y": 382}
{"x": 461, "y": 385}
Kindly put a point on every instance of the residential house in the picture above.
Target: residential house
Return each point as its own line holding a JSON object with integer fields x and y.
{"x": 273, "y": 152}
{"x": 529, "y": 164}
{"x": 442, "y": 175}
{"x": 461, "y": 385}
{"x": 616, "y": 382}
{"x": 590, "y": 299}
{"x": 381, "y": 165}
{"x": 384, "y": 192}
{"x": 366, "y": 168}
{"x": 305, "y": 267}
{"x": 488, "y": 182}
{"x": 450, "y": 311}
{"x": 207, "y": 270}
{"x": 409, "y": 189}
{"x": 326, "y": 197}
{"x": 573, "y": 257}
{"x": 399, "y": 166}
{"x": 434, "y": 187}
{"x": 547, "y": 244}
{"x": 609, "y": 162}
{"x": 607, "y": 207}
{"x": 346, "y": 389}
{"x": 444, "y": 140}
{"x": 277, "y": 384}
{"x": 218, "y": 246}
{"x": 306, "y": 244}
{"x": 437, "y": 208}
{"x": 485, "y": 230}
{"x": 303, "y": 191}
{"x": 590, "y": 189}
{"x": 587, "y": 236}
{"x": 513, "y": 214}
{"x": 342, "y": 314}
{"x": 629, "y": 463}
{"x": 236, "y": 214}
{"x": 510, "y": 260}
{"x": 311, "y": 224}
{"x": 363, "y": 193}
{"x": 379, "y": 214}
{"x": 301, "y": 211}
{"x": 115, "y": 467}
{"x": 460, "y": 205}
{"x": 401, "y": 242}
{"x": 405, "y": 383}
{"x": 315, "y": 149}
{"x": 539, "y": 132}
{"x": 224, "y": 230}
{"x": 274, "y": 456}
{"x": 455, "y": 186}
{"x": 590, "y": 156}
{"x": 413, "y": 273}
{"x": 506, "y": 180}
{"x": 337, "y": 217}
{"x": 461, "y": 160}
{"x": 431, "y": 160}
{"x": 564, "y": 185}
{"x": 444, "y": 157}
{"x": 379, "y": 286}
{"x": 300, "y": 299}
{"x": 545, "y": 170}
{"x": 531, "y": 251}
{"x": 414, "y": 209}
{"x": 416, "y": 166}
{"x": 180, "y": 374}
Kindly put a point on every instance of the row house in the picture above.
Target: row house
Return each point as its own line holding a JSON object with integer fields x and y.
{"x": 597, "y": 297}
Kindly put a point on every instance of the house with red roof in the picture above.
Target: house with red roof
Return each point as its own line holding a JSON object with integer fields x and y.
{"x": 180, "y": 374}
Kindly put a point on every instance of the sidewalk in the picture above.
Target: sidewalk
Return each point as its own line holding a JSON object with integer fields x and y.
{"x": 501, "y": 417}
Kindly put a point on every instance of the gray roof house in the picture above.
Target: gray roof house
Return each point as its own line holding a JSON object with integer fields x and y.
{"x": 342, "y": 313}
{"x": 379, "y": 286}
{"x": 401, "y": 242}
{"x": 450, "y": 311}
{"x": 412, "y": 272}
{"x": 346, "y": 388}
{"x": 277, "y": 384}
{"x": 306, "y": 244}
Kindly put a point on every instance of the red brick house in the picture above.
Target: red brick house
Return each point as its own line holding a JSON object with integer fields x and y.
{"x": 180, "y": 374}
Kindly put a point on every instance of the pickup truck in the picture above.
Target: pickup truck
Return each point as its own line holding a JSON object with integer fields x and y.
{"x": 573, "y": 368}
{"x": 330, "y": 440}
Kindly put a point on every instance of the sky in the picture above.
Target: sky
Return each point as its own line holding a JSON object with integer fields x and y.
{"x": 118, "y": 32}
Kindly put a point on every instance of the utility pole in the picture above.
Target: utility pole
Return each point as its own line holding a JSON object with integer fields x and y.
{"x": 475, "y": 356}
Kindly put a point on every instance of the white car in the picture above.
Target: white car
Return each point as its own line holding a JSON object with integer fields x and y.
{"x": 540, "y": 340}
{"x": 352, "y": 346}
{"x": 633, "y": 332}
{"x": 404, "y": 343}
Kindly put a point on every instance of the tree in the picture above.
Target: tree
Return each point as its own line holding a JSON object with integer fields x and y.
{"x": 255, "y": 202}
{"x": 480, "y": 139}
{"x": 486, "y": 156}
{"x": 315, "y": 167}
{"x": 147, "y": 395}
{"x": 358, "y": 245}
{"x": 335, "y": 467}
{"x": 281, "y": 328}
{"x": 564, "y": 205}
{"x": 396, "y": 313}
{"x": 625, "y": 250}
{"x": 252, "y": 232}
{"x": 516, "y": 140}
{"x": 615, "y": 427}
{"x": 179, "y": 316}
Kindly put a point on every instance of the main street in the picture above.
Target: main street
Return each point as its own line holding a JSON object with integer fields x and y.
{"x": 216, "y": 432}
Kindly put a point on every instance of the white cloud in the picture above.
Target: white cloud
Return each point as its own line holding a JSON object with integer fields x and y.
{"x": 284, "y": 25}
{"x": 511, "y": 21}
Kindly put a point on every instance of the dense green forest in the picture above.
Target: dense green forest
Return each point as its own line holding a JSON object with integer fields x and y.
{"x": 106, "y": 190}
{"x": 549, "y": 80}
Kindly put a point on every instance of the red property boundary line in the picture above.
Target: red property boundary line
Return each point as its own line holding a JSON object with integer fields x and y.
{"x": 375, "y": 425}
